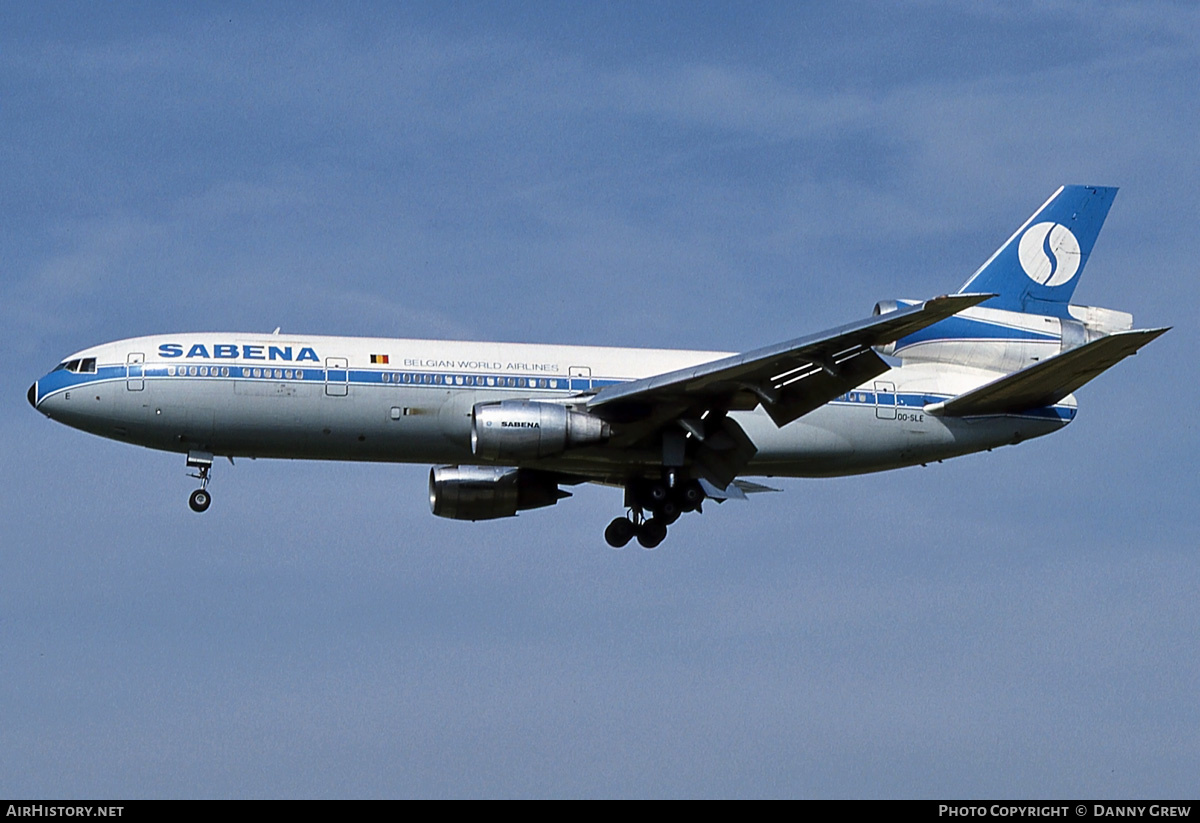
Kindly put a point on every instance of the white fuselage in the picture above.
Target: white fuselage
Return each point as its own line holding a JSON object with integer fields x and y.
{"x": 395, "y": 400}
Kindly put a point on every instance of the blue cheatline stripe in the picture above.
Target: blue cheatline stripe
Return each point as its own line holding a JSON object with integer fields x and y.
{"x": 61, "y": 380}
{"x": 920, "y": 401}
{"x": 971, "y": 330}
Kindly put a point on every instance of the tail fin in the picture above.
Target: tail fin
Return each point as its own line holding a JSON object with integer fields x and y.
{"x": 1037, "y": 269}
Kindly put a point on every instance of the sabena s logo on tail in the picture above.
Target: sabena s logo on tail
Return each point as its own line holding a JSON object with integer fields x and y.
{"x": 1049, "y": 254}
{"x": 1039, "y": 266}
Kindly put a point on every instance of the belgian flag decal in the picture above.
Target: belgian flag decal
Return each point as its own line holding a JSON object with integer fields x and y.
{"x": 379, "y": 358}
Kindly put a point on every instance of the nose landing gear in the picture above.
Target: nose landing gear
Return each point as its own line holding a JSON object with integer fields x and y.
{"x": 200, "y": 499}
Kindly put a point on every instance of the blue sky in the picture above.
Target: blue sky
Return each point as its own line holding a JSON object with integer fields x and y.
{"x": 715, "y": 176}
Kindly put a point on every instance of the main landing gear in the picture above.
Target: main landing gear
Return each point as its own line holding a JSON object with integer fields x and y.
{"x": 200, "y": 499}
{"x": 649, "y": 533}
{"x": 665, "y": 502}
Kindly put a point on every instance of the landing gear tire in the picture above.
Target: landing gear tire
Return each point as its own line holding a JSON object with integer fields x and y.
{"x": 691, "y": 496}
{"x": 656, "y": 493}
{"x": 668, "y": 511}
{"x": 202, "y": 462}
{"x": 200, "y": 500}
{"x": 620, "y": 532}
{"x": 651, "y": 533}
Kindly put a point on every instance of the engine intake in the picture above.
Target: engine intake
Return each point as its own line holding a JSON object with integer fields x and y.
{"x": 488, "y": 492}
{"x": 527, "y": 429}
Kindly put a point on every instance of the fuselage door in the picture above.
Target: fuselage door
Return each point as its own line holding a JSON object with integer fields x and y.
{"x": 885, "y": 400}
{"x": 337, "y": 376}
{"x": 581, "y": 378}
{"x": 134, "y": 381}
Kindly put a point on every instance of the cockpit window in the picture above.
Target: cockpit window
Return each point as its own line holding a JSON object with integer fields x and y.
{"x": 86, "y": 365}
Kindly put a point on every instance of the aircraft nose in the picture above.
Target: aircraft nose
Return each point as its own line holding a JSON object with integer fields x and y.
{"x": 33, "y": 395}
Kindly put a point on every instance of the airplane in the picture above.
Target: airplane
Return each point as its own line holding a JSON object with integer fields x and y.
{"x": 508, "y": 425}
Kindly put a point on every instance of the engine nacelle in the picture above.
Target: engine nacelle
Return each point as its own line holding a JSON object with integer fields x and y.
{"x": 528, "y": 429}
{"x": 887, "y": 307}
{"x": 488, "y": 492}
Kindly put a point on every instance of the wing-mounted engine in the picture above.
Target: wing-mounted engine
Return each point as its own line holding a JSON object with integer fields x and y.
{"x": 528, "y": 429}
{"x": 489, "y": 492}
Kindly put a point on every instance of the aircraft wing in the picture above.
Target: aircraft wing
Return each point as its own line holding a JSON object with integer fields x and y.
{"x": 1047, "y": 382}
{"x": 687, "y": 410}
{"x": 789, "y": 379}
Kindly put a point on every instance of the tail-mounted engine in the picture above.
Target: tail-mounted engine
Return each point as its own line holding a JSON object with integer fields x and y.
{"x": 488, "y": 492}
{"x": 999, "y": 339}
{"x": 887, "y": 307}
{"x": 527, "y": 429}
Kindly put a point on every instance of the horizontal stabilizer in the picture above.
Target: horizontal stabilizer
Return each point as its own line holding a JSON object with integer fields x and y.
{"x": 1047, "y": 382}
